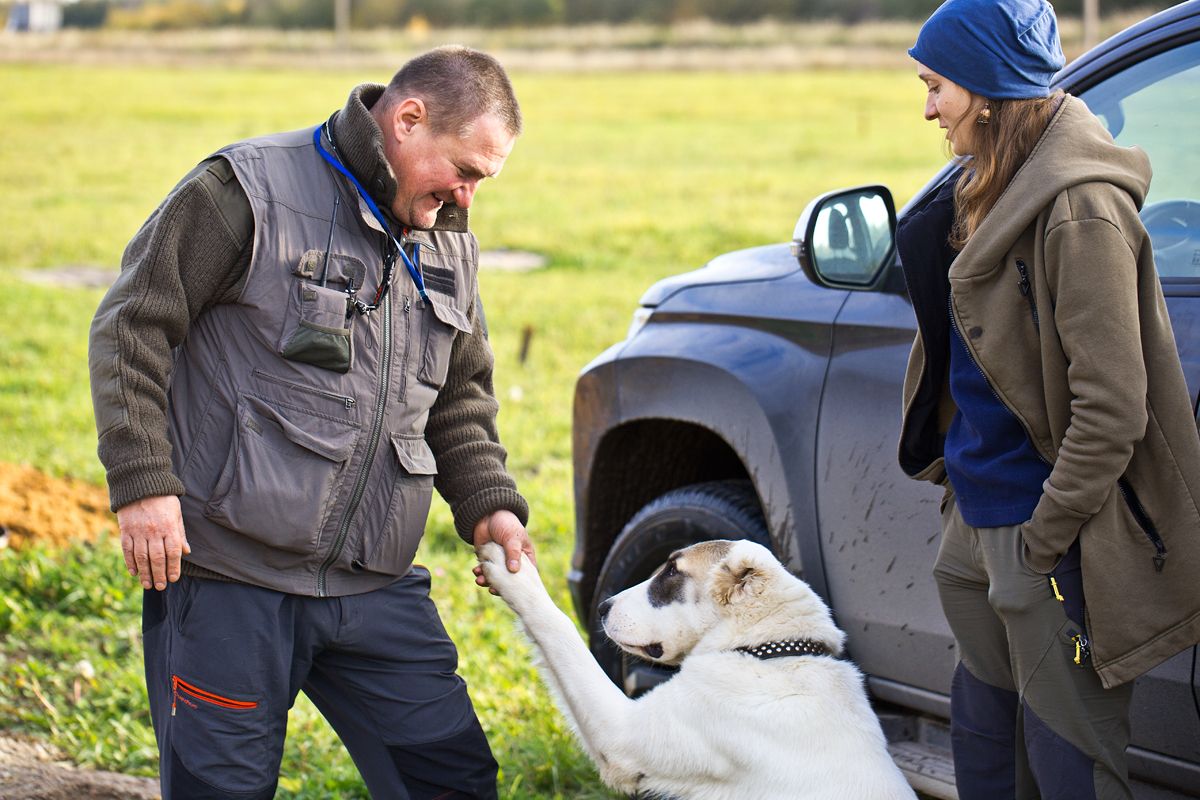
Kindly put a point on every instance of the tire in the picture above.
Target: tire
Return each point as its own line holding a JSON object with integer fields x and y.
{"x": 697, "y": 513}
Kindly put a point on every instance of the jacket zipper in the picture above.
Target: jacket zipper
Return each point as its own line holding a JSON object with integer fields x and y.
{"x": 186, "y": 688}
{"x": 1027, "y": 290}
{"x": 1143, "y": 520}
{"x": 385, "y": 355}
{"x": 348, "y": 402}
{"x": 992, "y": 389}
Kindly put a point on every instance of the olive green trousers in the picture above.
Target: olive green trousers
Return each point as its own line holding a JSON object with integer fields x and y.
{"x": 1029, "y": 717}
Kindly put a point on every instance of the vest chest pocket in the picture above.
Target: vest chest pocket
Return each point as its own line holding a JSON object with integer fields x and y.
{"x": 316, "y": 329}
{"x": 282, "y": 474}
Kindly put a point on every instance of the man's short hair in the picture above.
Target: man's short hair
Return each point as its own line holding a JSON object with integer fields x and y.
{"x": 458, "y": 85}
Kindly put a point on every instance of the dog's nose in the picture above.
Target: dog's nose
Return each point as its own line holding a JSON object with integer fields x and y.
{"x": 603, "y": 608}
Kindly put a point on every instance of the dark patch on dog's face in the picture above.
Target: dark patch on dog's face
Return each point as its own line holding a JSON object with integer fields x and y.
{"x": 667, "y": 585}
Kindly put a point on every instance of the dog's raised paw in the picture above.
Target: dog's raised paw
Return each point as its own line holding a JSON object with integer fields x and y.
{"x": 491, "y": 559}
{"x": 511, "y": 586}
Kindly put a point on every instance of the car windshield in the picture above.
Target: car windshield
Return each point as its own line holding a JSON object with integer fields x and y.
{"x": 1156, "y": 105}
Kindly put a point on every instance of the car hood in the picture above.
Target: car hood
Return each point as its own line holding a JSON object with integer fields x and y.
{"x": 754, "y": 264}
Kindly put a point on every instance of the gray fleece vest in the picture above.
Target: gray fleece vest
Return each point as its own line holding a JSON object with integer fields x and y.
{"x": 297, "y": 425}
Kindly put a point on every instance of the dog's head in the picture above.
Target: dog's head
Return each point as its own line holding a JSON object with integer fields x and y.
{"x": 716, "y": 595}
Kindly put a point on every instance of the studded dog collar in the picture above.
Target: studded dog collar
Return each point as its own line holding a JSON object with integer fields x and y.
{"x": 792, "y": 647}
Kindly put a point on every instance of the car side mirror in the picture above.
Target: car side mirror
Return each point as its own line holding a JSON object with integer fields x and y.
{"x": 845, "y": 238}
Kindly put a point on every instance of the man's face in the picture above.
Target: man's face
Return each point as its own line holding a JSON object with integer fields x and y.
{"x": 435, "y": 169}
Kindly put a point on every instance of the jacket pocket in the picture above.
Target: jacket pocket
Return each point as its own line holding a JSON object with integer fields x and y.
{"x": 316, "y": 328}
{"x": 1143, "y": 522}
{"x": 393, "y": 551}
{"x": 441, "y": 327}
{"x": 283, "y": 470}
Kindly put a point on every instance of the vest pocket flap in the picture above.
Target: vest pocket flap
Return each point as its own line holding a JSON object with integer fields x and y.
{"x": 449, "y": 314}
{"x": 341, "y": 268}
{"x": 415, "y": 455}
{"x": 329, "y": 438}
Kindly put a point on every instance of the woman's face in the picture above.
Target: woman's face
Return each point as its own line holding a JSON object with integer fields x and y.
{"x": 951, "y": 105}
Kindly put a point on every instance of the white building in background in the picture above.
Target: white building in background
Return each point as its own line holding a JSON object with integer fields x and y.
{"x": 39, "y": 16}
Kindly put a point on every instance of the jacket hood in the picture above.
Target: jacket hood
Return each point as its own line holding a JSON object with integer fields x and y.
{"x": 1075, "y": 149}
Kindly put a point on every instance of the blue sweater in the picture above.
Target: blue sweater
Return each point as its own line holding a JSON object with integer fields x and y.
{"x": 995, "y": 472}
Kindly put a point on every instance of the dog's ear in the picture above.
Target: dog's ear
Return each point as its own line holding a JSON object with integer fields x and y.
{"x": 737, "y": 578}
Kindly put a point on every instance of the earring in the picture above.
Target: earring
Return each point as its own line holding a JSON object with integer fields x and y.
{"x": 985, "y": 116}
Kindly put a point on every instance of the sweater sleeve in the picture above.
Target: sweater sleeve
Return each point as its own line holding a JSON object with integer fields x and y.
{"x": 192, "y": 253}
{"x": 462, "y": 434}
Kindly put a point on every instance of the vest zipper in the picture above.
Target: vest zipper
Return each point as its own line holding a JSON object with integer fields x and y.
{"x": 992, "y": 389}
{"x": 1143, "y": 520}
{"x": 407, "y": 349}
{"x": 348, "y": 402}
{"x": 385, "y": 356}
{"x": 1027, "y": 290}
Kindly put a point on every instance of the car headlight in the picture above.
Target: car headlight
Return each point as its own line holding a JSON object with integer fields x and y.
{"x": 640, "y": 317}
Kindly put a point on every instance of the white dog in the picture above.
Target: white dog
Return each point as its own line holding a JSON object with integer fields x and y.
{"x": 760, "y": 708}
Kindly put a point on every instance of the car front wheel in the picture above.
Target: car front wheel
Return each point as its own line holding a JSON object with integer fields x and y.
{"x": 701, "y": 512}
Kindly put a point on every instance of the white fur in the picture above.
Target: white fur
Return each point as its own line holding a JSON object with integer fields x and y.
{"x": 727, "y": 726}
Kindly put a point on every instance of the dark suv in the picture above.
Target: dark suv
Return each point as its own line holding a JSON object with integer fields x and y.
{"x": 759, "y": 398}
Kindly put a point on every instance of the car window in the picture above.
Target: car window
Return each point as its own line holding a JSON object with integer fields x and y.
{"x": 1156, "y": 105}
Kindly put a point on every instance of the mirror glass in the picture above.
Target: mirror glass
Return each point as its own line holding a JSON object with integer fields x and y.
{"x": 851, "y": 237}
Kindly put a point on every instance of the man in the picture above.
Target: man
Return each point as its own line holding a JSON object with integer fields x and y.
{"x": 293, "y": 357}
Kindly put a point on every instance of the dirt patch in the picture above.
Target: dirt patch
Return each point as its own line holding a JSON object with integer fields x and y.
{"x": 34, "y": 505}
{"x": 32, "y": 770}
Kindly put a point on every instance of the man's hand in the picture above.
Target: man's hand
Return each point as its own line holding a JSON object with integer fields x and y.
{"x": 153, "y": 540}
{"x": 503, "y": 528}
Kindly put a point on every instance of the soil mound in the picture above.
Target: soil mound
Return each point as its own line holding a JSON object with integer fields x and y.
{"x": 33, "y": 770}
{"x": 34, "y": 505}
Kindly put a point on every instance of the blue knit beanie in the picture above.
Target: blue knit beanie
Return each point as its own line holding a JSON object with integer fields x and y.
{"x": 1000, "y": 49}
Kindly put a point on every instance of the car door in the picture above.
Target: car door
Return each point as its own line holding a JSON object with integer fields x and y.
{"x": 880, "y": 530}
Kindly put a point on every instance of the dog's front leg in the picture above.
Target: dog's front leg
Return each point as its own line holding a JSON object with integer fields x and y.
{"x": 601, "y": 714}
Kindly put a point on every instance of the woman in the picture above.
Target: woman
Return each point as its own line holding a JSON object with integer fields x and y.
{"x": 1044, "y": 391}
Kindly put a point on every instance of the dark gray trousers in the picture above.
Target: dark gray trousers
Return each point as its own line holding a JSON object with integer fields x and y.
{"x": 225, "y": 661}
{"x": 1027, "y": 721}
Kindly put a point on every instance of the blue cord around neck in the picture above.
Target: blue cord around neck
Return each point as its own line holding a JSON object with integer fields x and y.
{"x": 410, "y": 264}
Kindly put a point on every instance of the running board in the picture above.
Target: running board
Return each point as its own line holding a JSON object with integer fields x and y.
{"x": 920, "y": 746}
{"x": 927, "y": 768}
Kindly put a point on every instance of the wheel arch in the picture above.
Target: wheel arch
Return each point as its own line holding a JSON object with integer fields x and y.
{"x": 712, "y": 401}
{"x": 682, "y": 453}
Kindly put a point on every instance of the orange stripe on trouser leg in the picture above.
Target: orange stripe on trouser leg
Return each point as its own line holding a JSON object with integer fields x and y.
{"x": 208, "y": 697}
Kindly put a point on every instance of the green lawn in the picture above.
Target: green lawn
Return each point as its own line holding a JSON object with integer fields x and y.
{"x": 619, "y": 180}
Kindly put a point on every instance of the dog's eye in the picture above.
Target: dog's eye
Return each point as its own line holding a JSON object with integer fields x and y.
{"x": 669, "y": 569}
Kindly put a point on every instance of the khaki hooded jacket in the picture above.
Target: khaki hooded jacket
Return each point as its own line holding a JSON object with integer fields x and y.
{"x": 1059, "y": 304}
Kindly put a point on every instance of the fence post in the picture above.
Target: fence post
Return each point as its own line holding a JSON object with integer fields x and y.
{"x": 341, "y": 23}
{"x": 1091, "y": 23}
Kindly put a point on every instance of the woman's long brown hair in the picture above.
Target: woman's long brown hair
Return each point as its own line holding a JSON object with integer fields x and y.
{"x": 1001, "y": 146}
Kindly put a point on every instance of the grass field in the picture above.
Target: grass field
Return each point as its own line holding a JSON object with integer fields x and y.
{"x": 619, "y": 180}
